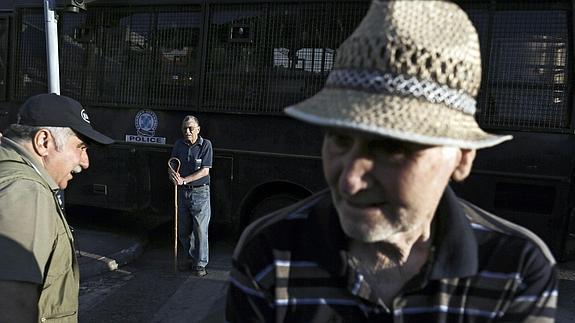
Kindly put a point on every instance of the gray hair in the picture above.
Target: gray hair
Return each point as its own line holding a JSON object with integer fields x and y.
{"x": 189, "y": 118}
{"x": 23, "y": 133}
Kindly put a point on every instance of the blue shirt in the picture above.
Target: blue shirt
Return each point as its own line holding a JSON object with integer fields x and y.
{"x": 193, "y": 157}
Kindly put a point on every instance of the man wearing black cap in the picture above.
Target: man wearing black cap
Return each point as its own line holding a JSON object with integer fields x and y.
{"x": 39, "y": 276}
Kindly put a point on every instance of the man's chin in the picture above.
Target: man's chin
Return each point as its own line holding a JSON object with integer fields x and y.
{"x": 63, "y": 184}
{"x": 366, "y": 233}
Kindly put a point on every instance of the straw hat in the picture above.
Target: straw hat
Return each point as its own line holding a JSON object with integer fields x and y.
{"x": 410, "y": 71}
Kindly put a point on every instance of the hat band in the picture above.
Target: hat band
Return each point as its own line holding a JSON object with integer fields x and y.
{"x": 378, "y": 82}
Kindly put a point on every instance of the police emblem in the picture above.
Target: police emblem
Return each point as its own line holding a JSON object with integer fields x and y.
{"x": 146, "y": 123}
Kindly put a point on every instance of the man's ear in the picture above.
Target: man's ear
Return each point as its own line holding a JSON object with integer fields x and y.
{"x": 41, "y": 141}
{"x": 463, "y": 169}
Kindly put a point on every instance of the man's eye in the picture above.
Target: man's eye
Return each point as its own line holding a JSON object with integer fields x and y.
{"x": 389, "y": 147}
{"x": 337, "y": 143}
{"x": 394, "y": 148}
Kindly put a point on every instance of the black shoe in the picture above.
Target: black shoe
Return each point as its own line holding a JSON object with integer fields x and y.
{"x": 199, "y": 271}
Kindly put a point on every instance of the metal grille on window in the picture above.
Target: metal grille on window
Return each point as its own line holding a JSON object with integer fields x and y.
{"x": 526, "y": 85}
{"x": 31, "y": 51}
{"x": 176, "y": 38}
{"x": 126, "y": 57}
{"x": 72, "y": 53}
{"x": 133, "y": 56}
{"x": 4, "y": 47}
{"x": 263, "y": 58}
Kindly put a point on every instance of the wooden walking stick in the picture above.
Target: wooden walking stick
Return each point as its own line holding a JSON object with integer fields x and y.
{"x": 171, "y": 162}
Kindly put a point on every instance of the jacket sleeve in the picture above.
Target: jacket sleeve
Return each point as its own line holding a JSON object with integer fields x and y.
{"x": 27, "y": 230}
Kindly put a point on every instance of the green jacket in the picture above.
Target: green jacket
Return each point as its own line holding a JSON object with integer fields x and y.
{"x": 32, "y": 220}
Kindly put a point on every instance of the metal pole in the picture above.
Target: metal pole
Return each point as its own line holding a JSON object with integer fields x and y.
{"x": 51, "y": 26}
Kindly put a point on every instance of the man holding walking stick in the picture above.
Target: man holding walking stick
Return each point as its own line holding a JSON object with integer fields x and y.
{"x": 193, "y": 181}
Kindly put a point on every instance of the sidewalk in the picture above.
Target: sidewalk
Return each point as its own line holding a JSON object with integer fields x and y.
{"x": 100, "y": 251}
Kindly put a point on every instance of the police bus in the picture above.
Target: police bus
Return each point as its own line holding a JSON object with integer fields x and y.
{"x": 140, "y": 66}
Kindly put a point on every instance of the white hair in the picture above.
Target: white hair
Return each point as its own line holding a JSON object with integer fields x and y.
{"x": 24, "y": 133}
{"x": 190, "y": 118}
{"x": 61, "y": 136}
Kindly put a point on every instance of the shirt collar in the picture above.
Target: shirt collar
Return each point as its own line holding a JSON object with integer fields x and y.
{"x": 29, "y": 159}
{"x": 454, "y": 242}
{"x": 199, "y": 141}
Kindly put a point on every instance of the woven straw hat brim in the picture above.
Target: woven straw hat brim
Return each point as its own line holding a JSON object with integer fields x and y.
{"x": 398, "y": 117}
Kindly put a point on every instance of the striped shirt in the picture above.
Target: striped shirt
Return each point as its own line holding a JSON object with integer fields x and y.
{"x": 293, "y": 266}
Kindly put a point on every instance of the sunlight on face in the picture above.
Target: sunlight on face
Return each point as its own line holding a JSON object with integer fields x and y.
{"x": 381, "y": 187}
{"x": 191, "y": 131}
{"x": 61, "y": 165}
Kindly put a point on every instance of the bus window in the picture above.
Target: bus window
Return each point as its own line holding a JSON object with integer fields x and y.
{"x": 73, "y": 42}
{"x": 4, "y": 31}
{"x": 285, "y": 58}
{"x": 131, "y": 56}
{"x": 176, "y": 77}
{"x": 32, "y": 70}
{"x": 315, "y": 60}
{"x": 125, "y": 57}
{"x": 526, "y": 59}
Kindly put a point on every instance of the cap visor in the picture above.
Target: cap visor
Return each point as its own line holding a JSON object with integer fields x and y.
{"x": 95, "y": 136}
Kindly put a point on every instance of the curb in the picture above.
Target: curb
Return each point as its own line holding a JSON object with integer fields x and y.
{"x": 93, "y": 263}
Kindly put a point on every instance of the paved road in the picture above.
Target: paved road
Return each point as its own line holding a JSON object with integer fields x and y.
{"x": 154, "y": 295}
{"x": 148, "y": 289}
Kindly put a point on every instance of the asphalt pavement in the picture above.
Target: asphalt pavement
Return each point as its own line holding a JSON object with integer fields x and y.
{"x": 104, "y": 285}
{"x": 102, "y": 251}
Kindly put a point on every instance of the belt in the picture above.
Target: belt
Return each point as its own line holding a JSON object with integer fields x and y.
{"x": 189, "y": 187}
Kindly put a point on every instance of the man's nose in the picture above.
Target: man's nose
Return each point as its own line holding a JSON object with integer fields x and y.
{"x": 356, "y": 174}
{"x": 84, "y": 160}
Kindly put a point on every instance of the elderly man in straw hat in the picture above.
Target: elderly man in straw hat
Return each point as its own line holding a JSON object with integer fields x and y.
{"x": 389, "y": 241}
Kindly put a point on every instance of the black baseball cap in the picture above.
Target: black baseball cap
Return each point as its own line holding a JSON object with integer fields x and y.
{"x": 53, "y": 110}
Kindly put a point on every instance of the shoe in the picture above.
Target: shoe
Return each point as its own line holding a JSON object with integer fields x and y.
{"x": 199, "y": 271}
